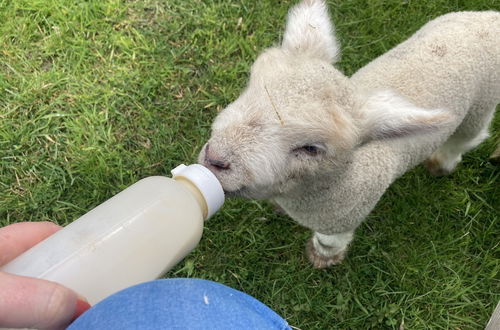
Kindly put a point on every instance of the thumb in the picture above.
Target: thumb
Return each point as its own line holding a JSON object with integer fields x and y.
{"x": 27, "y": 302}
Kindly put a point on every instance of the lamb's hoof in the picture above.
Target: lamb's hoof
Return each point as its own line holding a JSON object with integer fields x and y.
{"x": 320, "y": 261}
{"x": 495, "y": 156}
{"x": 435, "y": 168}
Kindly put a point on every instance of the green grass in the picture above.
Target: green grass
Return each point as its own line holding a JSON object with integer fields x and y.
{"x": 95, "y": 95}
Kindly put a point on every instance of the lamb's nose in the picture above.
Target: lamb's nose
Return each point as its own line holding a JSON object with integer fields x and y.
{"x": 214, "y": 161}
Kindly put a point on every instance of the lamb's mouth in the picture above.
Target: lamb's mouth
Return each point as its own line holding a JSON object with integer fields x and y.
{"x": 240, "y": 192}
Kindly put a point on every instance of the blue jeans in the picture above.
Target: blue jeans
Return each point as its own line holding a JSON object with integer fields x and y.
{"x": 179, "y": 303}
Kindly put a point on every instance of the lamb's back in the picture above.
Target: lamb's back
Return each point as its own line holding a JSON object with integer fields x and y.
{"x": 450, "y": 63}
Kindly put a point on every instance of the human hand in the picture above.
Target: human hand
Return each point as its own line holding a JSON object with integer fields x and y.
{"x": 28, "y": 302}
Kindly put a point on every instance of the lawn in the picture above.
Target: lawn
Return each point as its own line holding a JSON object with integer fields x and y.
{"x": 97, "y": 94}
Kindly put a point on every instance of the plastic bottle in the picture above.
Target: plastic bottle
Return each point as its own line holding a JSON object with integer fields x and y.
{"x": 135, "y": 236}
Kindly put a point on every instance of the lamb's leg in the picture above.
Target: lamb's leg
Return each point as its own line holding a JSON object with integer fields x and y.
{"x": 444, "y": 160}
{"x": 469, "y": 134}
{"x": 327, "y": 250}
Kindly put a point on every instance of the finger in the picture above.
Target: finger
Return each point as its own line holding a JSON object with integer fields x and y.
{"x": 19, "y": 237}
{"x": 37, "y": 304}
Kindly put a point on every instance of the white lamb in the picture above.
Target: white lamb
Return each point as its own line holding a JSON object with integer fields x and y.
{"x": 325, "y": 147}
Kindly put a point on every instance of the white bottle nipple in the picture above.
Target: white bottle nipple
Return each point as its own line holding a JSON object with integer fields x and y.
{"x": 206, "y": 182}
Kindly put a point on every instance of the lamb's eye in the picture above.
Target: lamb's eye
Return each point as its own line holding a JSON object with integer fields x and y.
{"x": 310, "y": 150}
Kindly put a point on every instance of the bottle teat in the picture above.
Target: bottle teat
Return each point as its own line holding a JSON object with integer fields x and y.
{"x": 206, "y": 182}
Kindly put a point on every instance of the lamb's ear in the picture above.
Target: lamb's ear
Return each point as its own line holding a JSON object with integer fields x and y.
{"x": 309, "y": 31}
{"x": 388, "y": 115}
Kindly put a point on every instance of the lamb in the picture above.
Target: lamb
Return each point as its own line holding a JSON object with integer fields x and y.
{"x": 325, "y": 147}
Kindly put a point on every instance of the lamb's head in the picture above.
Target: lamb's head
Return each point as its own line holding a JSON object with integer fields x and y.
{"x": 287, "y": 124}
{"x": 297, "y": 118}
{"x": 292, "y": 118}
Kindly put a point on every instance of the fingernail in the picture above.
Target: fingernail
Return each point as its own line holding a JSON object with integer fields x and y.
{"x": 82, "y": 305}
